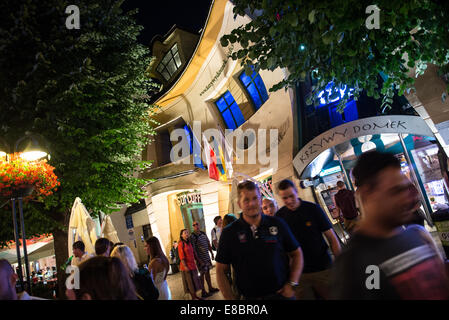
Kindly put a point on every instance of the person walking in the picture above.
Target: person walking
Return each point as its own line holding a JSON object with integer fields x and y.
{"x": 189, "y": 272}
{"x": 202, "y": 247}
{"x": 145, "y": 288}
{"x": 309, "y": 223}
{"x": 345, "y": 203}
{"x": 216, "y": 232}
{"x": 262, "y": 250}
{"x": 174, "y": 257}
{"x": 158, "y": 267}
{"x": 385, "y": 260}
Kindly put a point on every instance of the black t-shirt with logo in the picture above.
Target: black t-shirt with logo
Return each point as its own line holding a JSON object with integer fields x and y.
{"x": 308, "y": 222}
{"x": 259, "y": 259}
{"x": 404, "y": 267}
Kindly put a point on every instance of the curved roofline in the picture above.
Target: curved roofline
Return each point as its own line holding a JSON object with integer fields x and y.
{"x": 163, "y": 102}
{"x": 167, "y": 34}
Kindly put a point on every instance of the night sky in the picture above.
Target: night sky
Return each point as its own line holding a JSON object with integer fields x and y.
{"x": 157, "y": 17}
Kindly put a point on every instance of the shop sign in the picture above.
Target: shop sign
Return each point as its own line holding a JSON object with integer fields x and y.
{"x": 354, "y": 129}
{"x": 189, "y": 198}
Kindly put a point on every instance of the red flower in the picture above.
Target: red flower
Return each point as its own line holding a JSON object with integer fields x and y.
{"x": 18, "y": 172}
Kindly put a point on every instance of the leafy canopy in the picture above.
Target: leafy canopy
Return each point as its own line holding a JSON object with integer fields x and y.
{"x": 85, "y": 92}
{"x": 330, "y": 41}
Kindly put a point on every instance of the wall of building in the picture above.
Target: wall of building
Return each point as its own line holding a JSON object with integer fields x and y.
{"x": 196, "y": 102}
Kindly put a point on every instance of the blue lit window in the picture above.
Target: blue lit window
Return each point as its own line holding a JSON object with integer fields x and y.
{"x": 230, "y": 111}
{"x": 194, "y": 146}
{"x": 255, "y": 87}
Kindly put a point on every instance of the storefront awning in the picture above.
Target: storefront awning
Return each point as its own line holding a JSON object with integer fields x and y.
{"x": 319, "y": 150}
{"x": 35, "y": 252}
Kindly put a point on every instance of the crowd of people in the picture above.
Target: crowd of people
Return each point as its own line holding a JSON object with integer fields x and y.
{"x": 278, "y": 254}
{"x": 117, "y": 262}
{"x": 286, "y": 253}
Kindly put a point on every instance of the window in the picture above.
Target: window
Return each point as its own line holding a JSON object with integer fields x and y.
{"x": 230, "y": 111}
{"x": 170, "y": 63}
{"x": 255, "y": 87}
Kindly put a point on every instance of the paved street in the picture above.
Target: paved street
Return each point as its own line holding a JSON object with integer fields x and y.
{"x": 177, "y": 289}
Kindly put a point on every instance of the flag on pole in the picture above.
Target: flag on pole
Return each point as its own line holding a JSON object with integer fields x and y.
{"x": 211, "y": 160}
{"x": 227, "y": 156}
{"x": 195, "y": 147}
{"x": 221, "y": 165}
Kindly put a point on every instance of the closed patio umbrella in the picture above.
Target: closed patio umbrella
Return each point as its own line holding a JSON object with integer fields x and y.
{"x": 108, "y": 231}
{"x": 81, "y": 227}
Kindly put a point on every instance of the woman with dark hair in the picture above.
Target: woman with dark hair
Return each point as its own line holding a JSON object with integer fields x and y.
{"x": 189, "y": 272}
{"x": 228, "y": 219}
{"x": 103, "y": 278}
{"x": 158, "y": 267}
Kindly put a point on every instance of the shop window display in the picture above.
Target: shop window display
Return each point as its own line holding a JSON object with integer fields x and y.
{"x": 428, "y": 167}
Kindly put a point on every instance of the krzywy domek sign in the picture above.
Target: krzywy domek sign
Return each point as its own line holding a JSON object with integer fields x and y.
{"x": 354, "y": 129}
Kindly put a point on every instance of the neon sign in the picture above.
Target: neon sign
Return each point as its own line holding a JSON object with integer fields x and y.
{"x": 332, "y": 94}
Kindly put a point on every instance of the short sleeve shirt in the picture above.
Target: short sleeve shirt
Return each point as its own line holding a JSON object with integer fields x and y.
{"x": 200, "y": 243}
{"x": 77, "y": 261}
{"x": 259, "y": 258}
{"x": 308, "y": 222}
{"x": 216, "y": 233}
{"x": 403, "y": 267}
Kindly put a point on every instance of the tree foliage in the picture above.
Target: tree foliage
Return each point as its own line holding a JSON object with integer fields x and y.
{"x": 85, "y": 91}
{"x": 330, "y": 41}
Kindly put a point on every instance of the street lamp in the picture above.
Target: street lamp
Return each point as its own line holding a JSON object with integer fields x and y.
{"x": 32, "y": 147}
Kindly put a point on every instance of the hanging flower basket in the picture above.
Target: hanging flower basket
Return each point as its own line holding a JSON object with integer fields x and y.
{"x": 19, "y": 178}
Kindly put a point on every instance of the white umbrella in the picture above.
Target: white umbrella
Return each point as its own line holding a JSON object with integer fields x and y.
{"x": 81, "y": 227}
{"x": 108, "y": 231}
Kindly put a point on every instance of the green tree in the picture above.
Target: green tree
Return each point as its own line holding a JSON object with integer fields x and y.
{"x": 330, "y": 41}
{"x": 85, "y": 91}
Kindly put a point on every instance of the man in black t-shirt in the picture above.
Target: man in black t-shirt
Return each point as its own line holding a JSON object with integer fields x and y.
{"x": 259, "y": 248}
{"x": 384, "y": 260}
{"x": 309, "y": 223}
